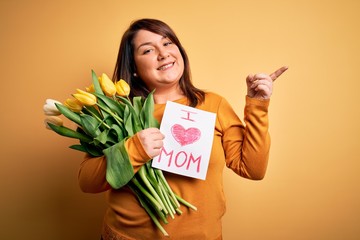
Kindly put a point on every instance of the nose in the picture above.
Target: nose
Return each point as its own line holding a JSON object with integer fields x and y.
{"x": 163, "y": 54}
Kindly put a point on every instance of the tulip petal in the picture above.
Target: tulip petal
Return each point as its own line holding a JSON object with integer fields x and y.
{"x": 73, "y": 104}
{"x": 85, "y": 98}
{"x": 50, "y": 108}
{"x": 90, "y": 89}
{"x": 122, "y": 88}
{"x": 53, "y": 120}
{"x": 107, "y": 85}
{"x": 50, "y": 111}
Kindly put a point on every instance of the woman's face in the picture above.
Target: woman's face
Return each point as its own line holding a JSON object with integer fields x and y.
{"x": 158, "y": 61}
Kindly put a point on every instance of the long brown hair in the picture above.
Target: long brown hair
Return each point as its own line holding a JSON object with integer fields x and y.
{"x": 125, "y": 65}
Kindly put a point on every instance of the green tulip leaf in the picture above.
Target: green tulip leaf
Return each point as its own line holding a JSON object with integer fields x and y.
{"x": 78, "y": 147}
{"x": 136, "y": 123}
{"x": 93, "y": 111}
{"x": 96, "y": 83}
{"x": 118, "y": 131}
{"x": 130, "y": 109}
{"x": 113, "y": 105}
{"x": 125, "y": 101}
{"x": 128, "y": 121}
{"x": 91, "y": 149}
{"x": 119, "y": 170}
{"x": 90, "y": 125}
{"x": 137, "y": 102}
{"x": 67, "y": 132}
{"x": 102, "y": 137}
{"x": 112, "y": 138}
{"x": 75, "y": 117}
{"x": 107, "y": 113}
{"x": 147, "y": 112}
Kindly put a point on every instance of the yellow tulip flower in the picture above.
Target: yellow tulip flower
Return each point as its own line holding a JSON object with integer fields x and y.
{"x": 107, "y": 85}
{"x": 73, "y": 104}
{"x": 122, "y": 88}
{"x": 90, "y": 89}
{"x": 54, "y": 120}
{"x": 85, "y": 98}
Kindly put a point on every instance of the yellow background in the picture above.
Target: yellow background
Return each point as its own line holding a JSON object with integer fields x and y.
{"x": 311, "y": 190}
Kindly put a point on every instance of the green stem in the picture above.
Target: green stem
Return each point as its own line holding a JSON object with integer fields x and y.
{"x": 151, "y": 171}
{"x": 159, "y": 188}
{"x": 146, "y": 193}
{"x": 178, "y": 211}
{"x": 142, "y": 174}
{"x": 97, "y": 118}
{"x": 186, "y": 203}
{"x": 116, "y": 117}
{"x": 165, "y": 197}
{"x": 150, "y": 213}
{"x": 161, "y": 176}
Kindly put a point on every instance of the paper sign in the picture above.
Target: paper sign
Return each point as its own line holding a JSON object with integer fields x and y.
{"x": 189, "y": 134}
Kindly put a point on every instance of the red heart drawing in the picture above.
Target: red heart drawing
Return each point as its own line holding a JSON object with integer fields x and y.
{"x": 185, "y": 136}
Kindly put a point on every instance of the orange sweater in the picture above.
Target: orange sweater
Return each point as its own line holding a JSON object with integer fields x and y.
{"x": 243, "y": 148}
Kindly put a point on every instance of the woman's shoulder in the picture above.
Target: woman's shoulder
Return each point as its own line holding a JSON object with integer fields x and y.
{"x": 212, "y": 101}
{"x": 213, "y": 96}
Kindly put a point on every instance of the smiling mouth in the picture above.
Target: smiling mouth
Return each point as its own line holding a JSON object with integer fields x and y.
{"x": 166, "y": 66}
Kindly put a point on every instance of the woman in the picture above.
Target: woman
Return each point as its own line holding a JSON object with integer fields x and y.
{"x": 151, "y": 57}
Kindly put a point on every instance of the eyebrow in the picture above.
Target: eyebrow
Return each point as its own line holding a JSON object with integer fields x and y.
{"x": 148, "y": 43}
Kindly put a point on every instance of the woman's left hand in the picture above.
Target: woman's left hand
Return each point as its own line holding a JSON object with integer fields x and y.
{"x": 260, "y": 85}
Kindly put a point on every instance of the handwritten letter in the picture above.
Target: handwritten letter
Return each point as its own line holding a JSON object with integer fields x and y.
{"x": 188, "y": 140}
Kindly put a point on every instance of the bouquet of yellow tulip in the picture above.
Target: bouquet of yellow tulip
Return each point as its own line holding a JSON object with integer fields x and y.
{"x": 106, "y": 117}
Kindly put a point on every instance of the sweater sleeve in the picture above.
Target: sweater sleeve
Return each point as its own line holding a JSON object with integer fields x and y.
{"x": 92, "y": 172}
{"x": 246, "y": 146}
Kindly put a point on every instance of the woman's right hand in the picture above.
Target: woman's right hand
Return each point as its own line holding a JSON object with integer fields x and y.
{"x": 151, "y": 140}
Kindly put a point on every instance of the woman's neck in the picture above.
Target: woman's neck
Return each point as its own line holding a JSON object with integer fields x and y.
{"x": 161, "y": 97}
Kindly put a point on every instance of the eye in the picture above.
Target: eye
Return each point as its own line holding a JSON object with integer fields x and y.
{"x": 147, "y": 51}
{"x": 167, "y": 43}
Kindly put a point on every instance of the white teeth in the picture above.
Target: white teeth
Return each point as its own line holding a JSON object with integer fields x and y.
{"x": 165, "y": 66}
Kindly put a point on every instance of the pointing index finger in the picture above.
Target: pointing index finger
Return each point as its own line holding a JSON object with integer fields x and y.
{"x": 278, "y": 72}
